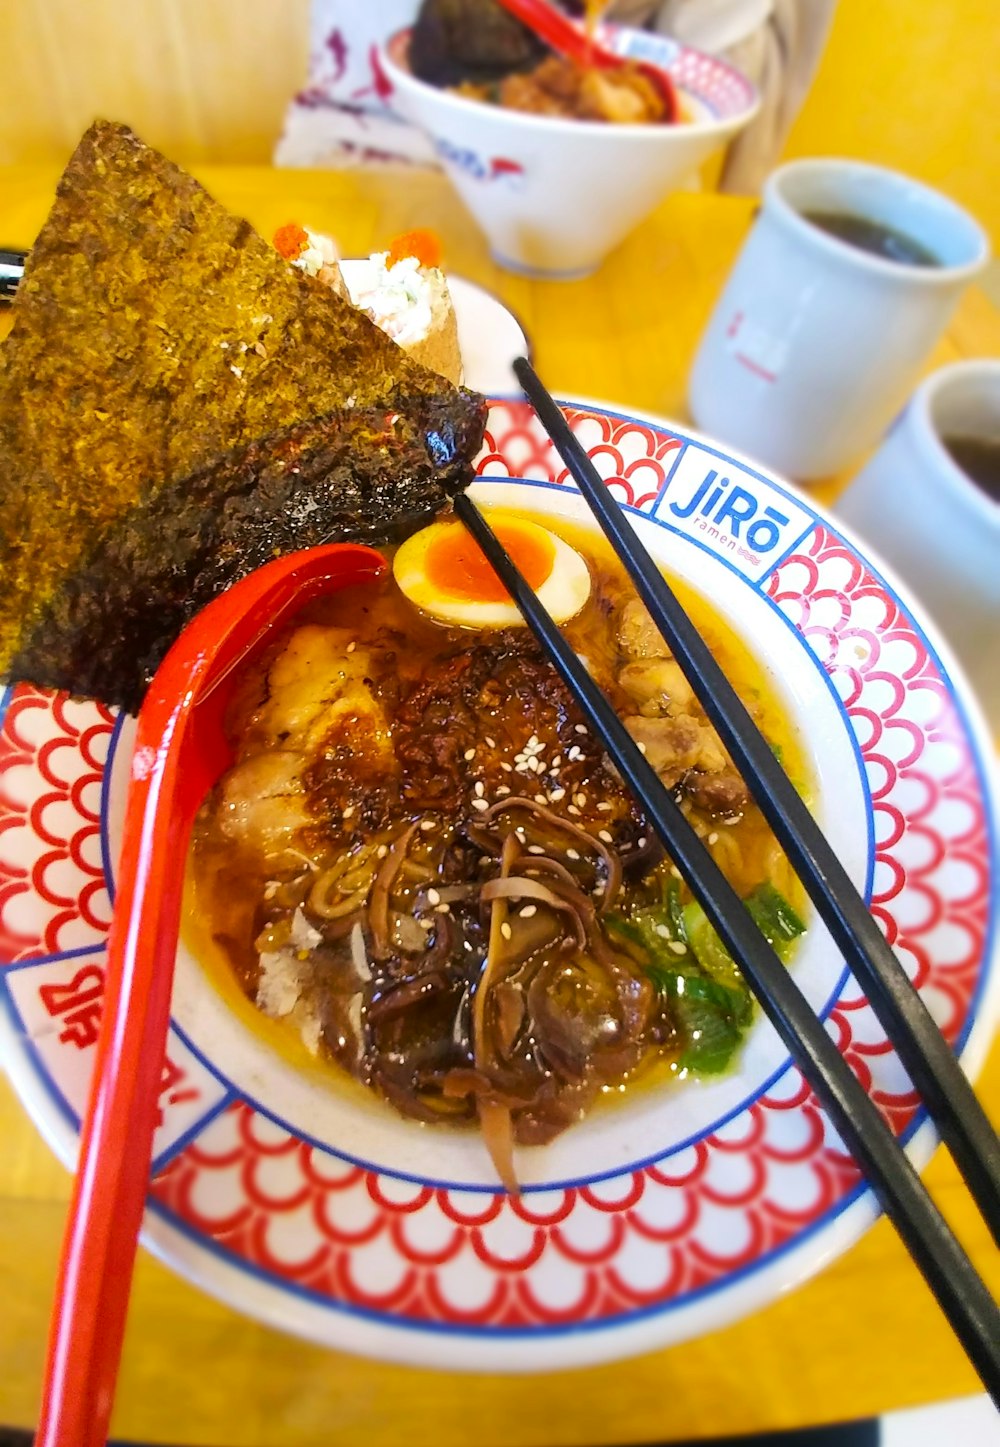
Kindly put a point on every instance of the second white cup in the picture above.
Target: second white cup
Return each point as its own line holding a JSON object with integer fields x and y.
{"x": 929, "y": 520}
{"x": 815, "y": 343}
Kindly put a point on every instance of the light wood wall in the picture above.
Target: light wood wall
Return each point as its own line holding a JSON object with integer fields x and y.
{"x": 909, "y": 83}
{"x": 204, "y": 80}
{"x": 913, "y": 84}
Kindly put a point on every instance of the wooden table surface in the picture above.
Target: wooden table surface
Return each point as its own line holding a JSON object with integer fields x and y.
{"x": 863, "y": 1337}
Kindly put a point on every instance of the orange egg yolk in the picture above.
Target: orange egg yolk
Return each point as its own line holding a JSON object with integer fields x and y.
{"x": 455, "y": 564}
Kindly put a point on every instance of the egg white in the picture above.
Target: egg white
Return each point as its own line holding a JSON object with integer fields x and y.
{"x": 563, "y": 593}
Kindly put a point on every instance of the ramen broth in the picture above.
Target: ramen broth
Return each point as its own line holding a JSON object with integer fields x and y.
{"x": 430, "y": 746}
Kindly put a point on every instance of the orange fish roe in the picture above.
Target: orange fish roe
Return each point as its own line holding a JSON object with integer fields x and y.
{"x": 291, "y": 240}
{"x": 424, "y": 245}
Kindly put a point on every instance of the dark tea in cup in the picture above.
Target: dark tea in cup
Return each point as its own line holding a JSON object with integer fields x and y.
{"x": 874, "y": 237}
{"x": 979, "y": 459}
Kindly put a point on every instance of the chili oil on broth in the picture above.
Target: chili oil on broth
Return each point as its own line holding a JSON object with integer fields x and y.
{"x": 231, "y": 890}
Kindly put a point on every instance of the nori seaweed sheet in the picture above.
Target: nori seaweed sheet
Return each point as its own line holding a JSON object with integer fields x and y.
{"x": 364, "y": 475}
{"x": 159, "y": 346}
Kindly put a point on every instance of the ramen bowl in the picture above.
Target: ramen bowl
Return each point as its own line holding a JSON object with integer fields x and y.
{"x": 554, "y": 196}
{"x": 675, "y": 1211}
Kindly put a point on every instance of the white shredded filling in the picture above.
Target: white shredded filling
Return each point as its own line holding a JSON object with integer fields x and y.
{"x": 401, "y": 298}
{"x": 319, "y": 253}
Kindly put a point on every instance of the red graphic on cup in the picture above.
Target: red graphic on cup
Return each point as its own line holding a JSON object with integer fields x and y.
{"x": 501, "y": 166}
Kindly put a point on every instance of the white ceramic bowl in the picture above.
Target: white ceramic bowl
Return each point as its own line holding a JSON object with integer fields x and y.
{"x": 672, "y": 1214}
{"x": 555, "y": 196}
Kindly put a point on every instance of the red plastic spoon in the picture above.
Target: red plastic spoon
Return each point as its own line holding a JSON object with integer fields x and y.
{"x": 572, "y": 40}
{"x": 180, "y": 752}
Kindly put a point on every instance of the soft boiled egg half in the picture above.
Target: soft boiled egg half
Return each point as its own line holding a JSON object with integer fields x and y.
{"x": 443, "y": 571}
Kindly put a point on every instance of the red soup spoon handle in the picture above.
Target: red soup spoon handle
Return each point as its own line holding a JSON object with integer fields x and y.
{"x": 179, "y": 753}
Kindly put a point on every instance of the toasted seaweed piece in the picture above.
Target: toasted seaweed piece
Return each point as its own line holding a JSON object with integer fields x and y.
{"x": 470, "y": 40}
{"x": 155, "y": 335}
{"x": 362, "y": 474}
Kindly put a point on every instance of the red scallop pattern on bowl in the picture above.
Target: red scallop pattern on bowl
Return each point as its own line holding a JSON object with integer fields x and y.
{"x": 710, "y": 80}
{"x": 632, "y": 457}
{"x": 53, "y": 895}
{"x": 320, "y": 1228}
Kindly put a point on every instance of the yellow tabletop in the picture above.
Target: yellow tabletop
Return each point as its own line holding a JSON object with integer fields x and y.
{"x": 863, "y": 1337}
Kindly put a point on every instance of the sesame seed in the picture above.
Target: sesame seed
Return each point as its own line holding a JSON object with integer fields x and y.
{"x": 381, "y": 851}
{"x": 662, "y": 930}
{"x": 533, "y": 741}
{"x": 480, "y": 804}
{"x": 348, "y": 811}
{"x": 469, "y": 754}
{"x": 579, "y": 800}
{"x": 603, "y": 834}
{"x": 641, "y": 842}
{"x": 427, "y": 825}
{"x": 557, "y": 761}
{"x": 605, "y": 807}
{"x": 520, "y": 834}
{"x": 426, "y": 924}
{"x": 574, "y": 753}
{"x": 641, "y": 746}
{"x": 502, "y": 789}
{"x": 528, "y": 911}
{"x": 533, "y": 765}
{"x": 520, "y": 768}
{"x": 520, "y": 758}
{"x": 572, "y": 854}
{"x": 713, "y": 838}
{"x": 557, "y": 794}
{"x": 572, "y": 809}
{"x": 540, "y": 799}
{"x": 678, "y": 948}
{"x": 507, "y": 770}
{"x": 535, "y": 849}
{"x": 506, "y": 930}
{"x": 675, "y": 872}
{"x": 490, "y": 743}
{"x": 580, "y": 728}
{"x": 443, "y": 908}
{"x": 480, "y": 790}
{"x": 351, "y": 647}
{"x": 433, "y": 897}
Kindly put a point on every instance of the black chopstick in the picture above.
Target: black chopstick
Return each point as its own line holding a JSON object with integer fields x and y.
{"x": 11, "y": 271}
{"x": 923, "y": 1050}
{"x": 947, "y": 1269}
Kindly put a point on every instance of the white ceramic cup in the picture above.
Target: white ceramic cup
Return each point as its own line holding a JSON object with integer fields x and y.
{"x": 815, "y": 344}
{"x": 937, "y": 528}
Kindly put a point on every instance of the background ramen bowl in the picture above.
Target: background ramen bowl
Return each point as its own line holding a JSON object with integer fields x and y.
{"x": 314, "y": 1206}
{"x": 554, "y": 196}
